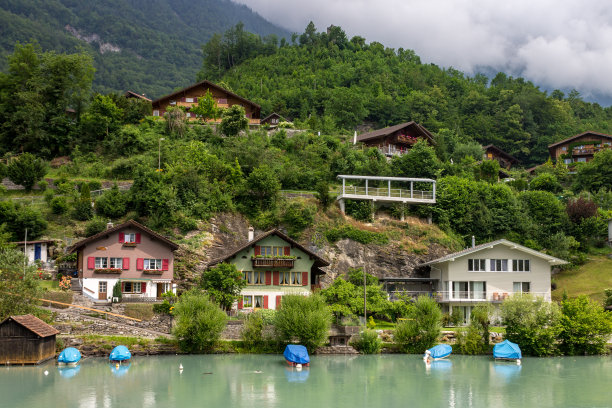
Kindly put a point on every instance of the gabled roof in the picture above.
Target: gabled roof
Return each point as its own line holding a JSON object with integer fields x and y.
{"x": 130, "y": 223}
{"x": 500, "y": 152}
{"x": 451, "y": 257}
{"x": 39, "y": 241}
{"x": 569, "y": 139}
{"x": 273, "y": 114}
{"x": 210, "y": 85}
{"x": 319, "y": 262}
{"x": 392, "y": 129}
{"x": 33, "y": 324}
{"x": 130, "y": 94}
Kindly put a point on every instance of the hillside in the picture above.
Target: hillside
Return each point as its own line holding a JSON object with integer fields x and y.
{"x": 151, "y": 47}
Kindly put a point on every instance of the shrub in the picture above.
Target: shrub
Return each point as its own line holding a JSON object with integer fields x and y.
{"x": 350, "y": 232}
{"x": 117, "y": 293}
{"x": 305, "y": 319}
{"x": 26, "y": 170}
{"x": 82, "y": 207}
{"x": 546, "y": 182}
{"x": 199, "y": 322}
{"x": 475, "y": 340}
{"x": 422, "y": 329}
{"x": 112, "y": 203}
{"x": 360, "y": 210}
{"x": 325, "y": 199}
{"x": 252, "y": 333}
{"x": 42, "y": 185}
{"x": 585, "y": 327}
{"x": 368, "y": 342}
{"x": 298, "y": 216}
{"x": 48, "y": 195}
{"x": 456, "y": 317}
{"x": 94, "y": 226}
{"x": 59, "y": 205}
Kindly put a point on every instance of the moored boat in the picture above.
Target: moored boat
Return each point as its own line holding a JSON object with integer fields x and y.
{"x": 296, "y": 355}
{"x": 69, "y": 357}
{"x": 438, "y": 352}
{"x": 507, "y": 350}
{"x": 119, "y": 354}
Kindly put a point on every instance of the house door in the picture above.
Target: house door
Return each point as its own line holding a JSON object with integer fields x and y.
{"x": 36, "y": 251}
{"x": 102, "y": 290}
{"x": 160, "y": 290}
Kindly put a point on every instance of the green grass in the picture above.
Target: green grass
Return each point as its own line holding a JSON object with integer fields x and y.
{"x": 590, "y": 279}
{"x": 139, "y": 311}
{"x": 48, "y": 284}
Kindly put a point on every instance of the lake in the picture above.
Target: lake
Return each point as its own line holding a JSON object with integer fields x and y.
{"x": 332, "y": 381}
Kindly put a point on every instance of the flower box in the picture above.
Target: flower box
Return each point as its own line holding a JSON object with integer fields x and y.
{"x": 277, "y": 262}
{"x": 129, "y": 244}
{"x": 108, "y": 270}
{"x": 153, "y": 272}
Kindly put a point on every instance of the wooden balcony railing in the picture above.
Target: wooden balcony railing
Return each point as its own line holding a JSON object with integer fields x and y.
{"x": 273, "y": 263}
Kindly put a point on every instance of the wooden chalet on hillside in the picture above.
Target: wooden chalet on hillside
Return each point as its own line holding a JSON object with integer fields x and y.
{"x": 505, "y": 160}
{"x": 188, "y": 97}
{"x": 26, "y": 340}
{"x": 580, "y": 148}
{"x": 398, "y": 139}
{"x": 273, "y": 120}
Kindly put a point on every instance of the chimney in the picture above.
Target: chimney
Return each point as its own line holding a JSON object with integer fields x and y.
{"x": 473, "y": 241}
{"x": 251, "y": 234}
{"x": 109, "y": 224}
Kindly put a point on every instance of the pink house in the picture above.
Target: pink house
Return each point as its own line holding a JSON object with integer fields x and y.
{"x": 136, "y": 257}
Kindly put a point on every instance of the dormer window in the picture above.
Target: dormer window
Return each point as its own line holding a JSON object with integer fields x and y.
{"x": 130, "y": 237}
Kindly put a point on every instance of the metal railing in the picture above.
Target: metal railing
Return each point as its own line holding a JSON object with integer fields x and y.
{"x": 385, "y": 192}
{"x": 465, "y": 296}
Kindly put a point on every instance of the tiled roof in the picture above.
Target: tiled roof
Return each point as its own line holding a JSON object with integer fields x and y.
{"x": 569, "y": 139}
{"x": 34, "y": 324}
{"x": 391, "y": 129}
{"x": 500, "y": 152}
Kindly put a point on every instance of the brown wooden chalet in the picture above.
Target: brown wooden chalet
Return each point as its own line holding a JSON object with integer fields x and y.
{"x": 130, "y": 94}
{"x": 188, "y": 97}
{"x": 26, "y": 340}
{"x": 273, "y": 120}
{"x": 398, "y": 139}
{"x": 492, "y": 152}
{"x": 580, "y": 148}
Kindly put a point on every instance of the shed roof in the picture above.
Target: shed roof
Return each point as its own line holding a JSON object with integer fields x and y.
{"x": 209, "y": 84}
{"x": 33, "y": 324}
{"x": 392, "y": 129}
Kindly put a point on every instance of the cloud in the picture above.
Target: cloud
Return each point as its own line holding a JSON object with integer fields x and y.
{"x": 561, "y": 44}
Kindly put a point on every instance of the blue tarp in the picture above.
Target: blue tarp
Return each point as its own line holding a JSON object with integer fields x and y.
{"x": 69, "y": 355}
{"x": 120, "y": 353}
{"x": 507, "y": 349}
{"x": 297, "y": 354}
{"x": 440, "y": 351}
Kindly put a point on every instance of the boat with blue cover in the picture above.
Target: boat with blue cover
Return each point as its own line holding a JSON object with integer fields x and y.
{"x": 69, "y": 356}
{"x": 507, "y": 350}
{"x": 296, "y": 355}
{"x": 438, "y": 352}
{"x": 120, "y": 353}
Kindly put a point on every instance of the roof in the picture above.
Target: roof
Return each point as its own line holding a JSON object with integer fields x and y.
{"x": 451, "y": 257}
{"x": 33, "y": 324}
{"x": 130, "y": 223}
{"x": 392, "y": 129}
{"x": 569, "y": 139}
{"x": 209, "y": 84}
{"x": 273, "y": 114}
{"x": 318, "y": 260}
{"x": 40, "y": 241}
{"x": 130, "y": 94}
{"x": 501, "y": 152}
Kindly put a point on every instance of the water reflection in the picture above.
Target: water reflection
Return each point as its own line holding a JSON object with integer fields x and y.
{"x": 506, "y": 371}
{"x": 68, "y": 372}
{"x": 294, "y": 375}
{"x": 119, "y": 370}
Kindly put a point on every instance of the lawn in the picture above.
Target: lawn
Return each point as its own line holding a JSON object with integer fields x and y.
{"x": 48, "y": 284}
{"x": 590, "y": 279}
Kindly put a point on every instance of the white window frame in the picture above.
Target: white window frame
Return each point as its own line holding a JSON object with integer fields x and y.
{"x": 133, "y": 286}
{"x": 156, "y": 112}
{"x": 247, "y": 301}
{"x": 101, "y": 262}
{"x": 116, "y": 263}
{"x": 189, "y": 100}
{"x": 257, "y": 298}
{"x": 129, "y": 237}
{"x": 152, "y": 264}
{"x": 499, "y": 265}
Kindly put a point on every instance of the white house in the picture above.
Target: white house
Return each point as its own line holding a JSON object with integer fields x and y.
{"x": 36, "y": 250}
{"x": 490, "y": 272}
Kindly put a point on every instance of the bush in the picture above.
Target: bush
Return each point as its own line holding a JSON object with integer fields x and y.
{"x": 470, "y": 341}
{"x": 360, "y": 210}
{"x": 112, "y": 203}
{"x": 422, "y": 330}
{"x": 252, "y": 333}
{"x": 350, "y": 232}
{"x": 325, "y": 199}
{"x": 42, "y": 185}
{"x": 298, "y": 216}
{"x": 456, "y": 317}
{"x": 83, "y": 210}
{"x": 94, "y": 226}
{"x": 585, "y": 327}
{"x": 199, "y": 322}
{"x": 26, "y": 170}
{"x": 546, "y": 182}
{"x": 59, "y": 205}
{"x": 305, "y": 319}
{"x": 476, "y": 339}
{"x": 368, "y": 342}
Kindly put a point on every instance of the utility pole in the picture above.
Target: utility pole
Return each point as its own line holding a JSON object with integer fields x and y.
{"x": 25, "y": 252}
{"x": 365, "y": 312}
{"x": 159, "y": 154}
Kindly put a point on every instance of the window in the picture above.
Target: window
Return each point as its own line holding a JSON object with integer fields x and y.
{"x": 271, "y": 251}
{"x": 581, "y": 160}
{"x": 189, "y": 100}
{"x": 101, "y": 263}
{"x": 567, "y": 161}
{"x": 247, "y": 301}
{"x": 248, "y": 277}
{"x": 564, "y": 148}
{"x": 102, "y": 287}
{"x": 156, "y": 113}
{"x": 522, "y": 287}
{"x": 285, "y": 278}
{"x": 153, "y": 264}
{"x": 258, "y": 301}
{"x": 460, "y": 290}
{"x": 296, "y": 278}
{"x": 520, "y": 265}
{"x": 499, "y": 265}
{"x": 476, "y": 265}
{"x": 129, "y": 237}
{"x": 188, "y": 114}
{"x": 132, "y": 287}
{"x": 259, "y": 277}
{"x": 172, "y": 103}
{"x": 116, "y": 263}
{"x": 478, "y": 290}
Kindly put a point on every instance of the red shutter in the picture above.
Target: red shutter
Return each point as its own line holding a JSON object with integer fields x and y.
{"x": 287, "y": 251}
{"x": 122, "y": 287}
{"x": 257, "y": 250}
{"x": 121, "y": 237}
{"x": 275, "y": 278}
{"x": 139, "y": 264}
{"x": 240, "y": 303}
{"x": 268, "y": 277}
{"x": 138, "y": 238}
{"x": 126, "y": 263}
{"x": 91, "y": 262}
{"x": 304, "y": 278}
{"x": 143, "y": 287}
{"x": 165, "y": 263}
{"x": 265, "y": 301}
{"x": 195, "y": 99}
{"x": 278, "y": 301}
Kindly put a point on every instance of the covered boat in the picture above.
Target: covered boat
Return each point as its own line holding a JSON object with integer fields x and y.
{"x": 120, "y": 353}
{"x": 296, "y": 354}
{"x": 69, "y": 356}
{"x": 439, "y": 351}
{"x": 507, "y": 350}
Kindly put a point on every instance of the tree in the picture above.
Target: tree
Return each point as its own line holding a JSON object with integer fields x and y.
{"x": 102, "y": 119}
{"x": 488, "y": 171}
{"x": 420, "y": 161}
{"x": 595, "y": 174}
{"x": 233, "y": 120}
{"x": 322, "y": 194}
{"x": 585, "y": 327}
{"x": 19, "y": 290}
{"x": 546, "y": 182}
{"x": 305, "y": 319}
{"x": 206, "y": 108}
{"x": 223, "y": 283}
{"x": 26, "y": 170}
{"x": 82, "y": 207}
{"x": 422, "y": 330}
{"x": 112, "y": 204}
{"x": 199, "y": 322}
{"x": 262, "y": 189}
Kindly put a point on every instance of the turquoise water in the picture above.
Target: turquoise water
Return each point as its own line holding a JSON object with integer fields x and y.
{"x": 332, "y": 381}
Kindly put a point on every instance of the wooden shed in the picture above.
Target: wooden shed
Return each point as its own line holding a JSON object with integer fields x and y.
{"x": 26, "y": 340}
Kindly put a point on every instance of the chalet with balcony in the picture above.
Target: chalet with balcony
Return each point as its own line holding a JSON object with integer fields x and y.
{"x": 505, "y": 160}
{"x": 188, "y": 97}
{"x": 274, "y": 265}
{"x": 580, "y": 148}
{"x": 489, "y": 272}
{"x": 398, "y": 139}
{"x": 141, "y": 260}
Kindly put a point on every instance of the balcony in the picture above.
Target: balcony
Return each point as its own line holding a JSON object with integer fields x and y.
{"x": 273, "y": 262}
{"x": 465, "y": 296}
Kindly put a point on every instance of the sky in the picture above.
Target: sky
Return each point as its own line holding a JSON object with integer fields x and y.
{"x": 556, "y": 44}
